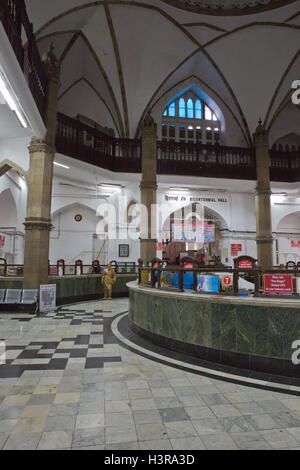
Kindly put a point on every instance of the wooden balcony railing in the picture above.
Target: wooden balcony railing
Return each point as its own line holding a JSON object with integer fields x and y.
{"x": 190, "y": 159}
{"x": 19, "y": 30}
{"x": 85, "y": 143}
{"x": 77, "y": 140}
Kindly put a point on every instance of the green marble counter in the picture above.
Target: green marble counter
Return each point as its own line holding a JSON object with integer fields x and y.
{"x": 241, "y": 331}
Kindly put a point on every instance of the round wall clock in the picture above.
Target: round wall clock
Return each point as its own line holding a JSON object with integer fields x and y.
{"x": 78, "y": 217}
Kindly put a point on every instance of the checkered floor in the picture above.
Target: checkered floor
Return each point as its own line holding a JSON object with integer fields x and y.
{"x": 70, "y": 383}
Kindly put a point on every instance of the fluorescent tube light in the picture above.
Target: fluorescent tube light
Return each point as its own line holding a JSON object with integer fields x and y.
{"x": 63, "y": 166}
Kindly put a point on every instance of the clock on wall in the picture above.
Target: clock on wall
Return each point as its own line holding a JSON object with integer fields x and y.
{"x": 78, "y": 217}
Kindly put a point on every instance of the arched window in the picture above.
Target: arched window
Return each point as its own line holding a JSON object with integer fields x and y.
{"x": 172, "y": 110}
{"x": 188, "y": 118}
{"x": 190, "y": 109}
{"x": 198, "y": 110}
{"x": 181, "y": 108}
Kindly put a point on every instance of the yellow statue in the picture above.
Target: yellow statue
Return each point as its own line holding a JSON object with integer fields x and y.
{"x": 108, "y": 280}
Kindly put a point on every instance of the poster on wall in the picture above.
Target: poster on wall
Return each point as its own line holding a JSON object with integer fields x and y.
{"x": 278, "y": 284}
{"x": 47, "y": 298}
{"x": 207, "y": 283}
{"x": 236, "y": 248}
{"x": 198, "y": 233}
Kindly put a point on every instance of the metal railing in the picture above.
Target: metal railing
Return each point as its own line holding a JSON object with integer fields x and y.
{"x": 17, "y": 270}
{"x": 14, "y": 18}
{"x": 192, "y": 280}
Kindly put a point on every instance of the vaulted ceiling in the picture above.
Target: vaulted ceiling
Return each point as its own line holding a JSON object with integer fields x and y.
{"x": 121, "y": 58}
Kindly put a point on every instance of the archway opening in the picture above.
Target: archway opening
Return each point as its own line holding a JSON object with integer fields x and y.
{"x": 194, "y": 230}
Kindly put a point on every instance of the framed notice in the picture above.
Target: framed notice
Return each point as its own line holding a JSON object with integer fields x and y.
{"x": 278, "y": 284}
{"x": 47, "y": 298}
{"x": 123, "y": 251}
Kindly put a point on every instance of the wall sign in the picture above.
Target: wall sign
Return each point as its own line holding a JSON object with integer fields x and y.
{"x": 245, "y": 263}
{"x": 295, "y": 243}
{"x": 278, "y": 283}
{"x": 2, "y": 240}
{"x": 123, "y": 251}
{"x": 47, "y": 298}
{"x": 235, "y": 248}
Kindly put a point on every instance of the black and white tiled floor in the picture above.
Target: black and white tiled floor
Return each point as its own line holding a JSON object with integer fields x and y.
{"x": 75, "y": 379}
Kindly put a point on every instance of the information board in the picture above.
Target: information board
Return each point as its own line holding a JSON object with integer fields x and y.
{"x": 278, "y": 283}
{"x": 199, "y": 233}
{"x": 207, "y": 283}
{"x": 47, "y": 298}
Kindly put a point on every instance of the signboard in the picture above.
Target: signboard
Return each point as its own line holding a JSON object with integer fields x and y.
{"x": 226, "y": 281}
{"x": 2, "y": 240}
{"x": 47, "y": 298}
{"x": 199, "y": 233}
{"x": 295, "y": 243}
{"x": 245, "y": 263}
{"x": 159, "y": 246}
{"x": 278, "y": 283}
{"x": 235, "y": 248}
{"x": 207, "y": 283}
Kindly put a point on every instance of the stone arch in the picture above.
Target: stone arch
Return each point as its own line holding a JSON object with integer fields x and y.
{"x": 292, "y": 217}
{"x": 6, "y": 165}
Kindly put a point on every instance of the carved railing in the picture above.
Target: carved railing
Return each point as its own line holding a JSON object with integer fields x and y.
{"x": 285, "y": 165}
{"x": 82, "y": 142}
{"x": 196, "y": 159}
{"x": 77, "y": 140}
{"x": 19, "y": 31}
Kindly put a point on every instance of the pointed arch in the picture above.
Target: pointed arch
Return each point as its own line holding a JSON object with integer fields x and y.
{"x": 6, "y": 165}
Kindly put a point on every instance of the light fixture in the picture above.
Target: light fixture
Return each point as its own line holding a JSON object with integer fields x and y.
{"x": 11, "y": 101}
{"x": 179, "y": 189}
{"x": 61, "y": 165}
{"x": 111, "y": 187}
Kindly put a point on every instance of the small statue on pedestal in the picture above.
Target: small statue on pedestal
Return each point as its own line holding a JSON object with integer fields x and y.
{"x": 108, "y": 280}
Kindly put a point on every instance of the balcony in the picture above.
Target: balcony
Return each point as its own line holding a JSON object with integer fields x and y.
{"x": 19, "y": 31}
{"x": 89, "y": 145}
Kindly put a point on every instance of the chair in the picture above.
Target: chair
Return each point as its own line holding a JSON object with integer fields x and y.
{"x": 13, "y": 296}
{"x": 2, "y": 295}
{"x": 29, "y": 296}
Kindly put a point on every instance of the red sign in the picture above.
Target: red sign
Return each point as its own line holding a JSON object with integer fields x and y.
{"x": 188, "y": 265}
{"x": 2, "y": 240}
{"x": 227, "y": 280}
{"x": 278, "y": 283}
{"x": 295, "y": 243}
{"x": 245, "y": 263}
{"x": 159, "y": 246}
{"x": 235, "y": 248}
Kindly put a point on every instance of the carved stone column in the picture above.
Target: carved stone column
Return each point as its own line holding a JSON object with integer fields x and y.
{"x": 264, "y": 238}
{"x": 148, "y": 189}
{"x": 39, "y": 178}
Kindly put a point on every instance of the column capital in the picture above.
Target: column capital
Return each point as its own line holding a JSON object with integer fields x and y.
{"x": 148, "y": 185}
{"x": 37, "y": 223}
{"x": 149, "y": 126}
{"x": 260, "y": 135}
{"x": 37, "y": 145}
{"x": 51, "y": 64}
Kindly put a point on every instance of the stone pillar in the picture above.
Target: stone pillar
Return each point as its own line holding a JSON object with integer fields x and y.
{"x": 148, "y": 189}
{"x": 39, "y": 179}
{"x": 264, "y": 238}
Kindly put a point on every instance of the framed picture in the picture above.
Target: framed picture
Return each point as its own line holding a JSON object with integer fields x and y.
{"x": 123, "y": 251}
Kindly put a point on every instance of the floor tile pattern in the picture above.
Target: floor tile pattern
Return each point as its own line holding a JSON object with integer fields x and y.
{"x": 69, "y": 383}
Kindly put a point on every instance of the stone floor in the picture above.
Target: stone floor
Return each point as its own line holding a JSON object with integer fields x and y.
{"x": 70, "y": 383}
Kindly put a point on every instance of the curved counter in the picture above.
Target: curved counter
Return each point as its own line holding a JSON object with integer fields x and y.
{"x": 245, "y": 332}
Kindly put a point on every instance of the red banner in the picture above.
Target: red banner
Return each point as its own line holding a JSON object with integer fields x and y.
{"x": 295, "y": 243}
{"x": 2, "y": 240}
{"x": 278, "y": 283}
